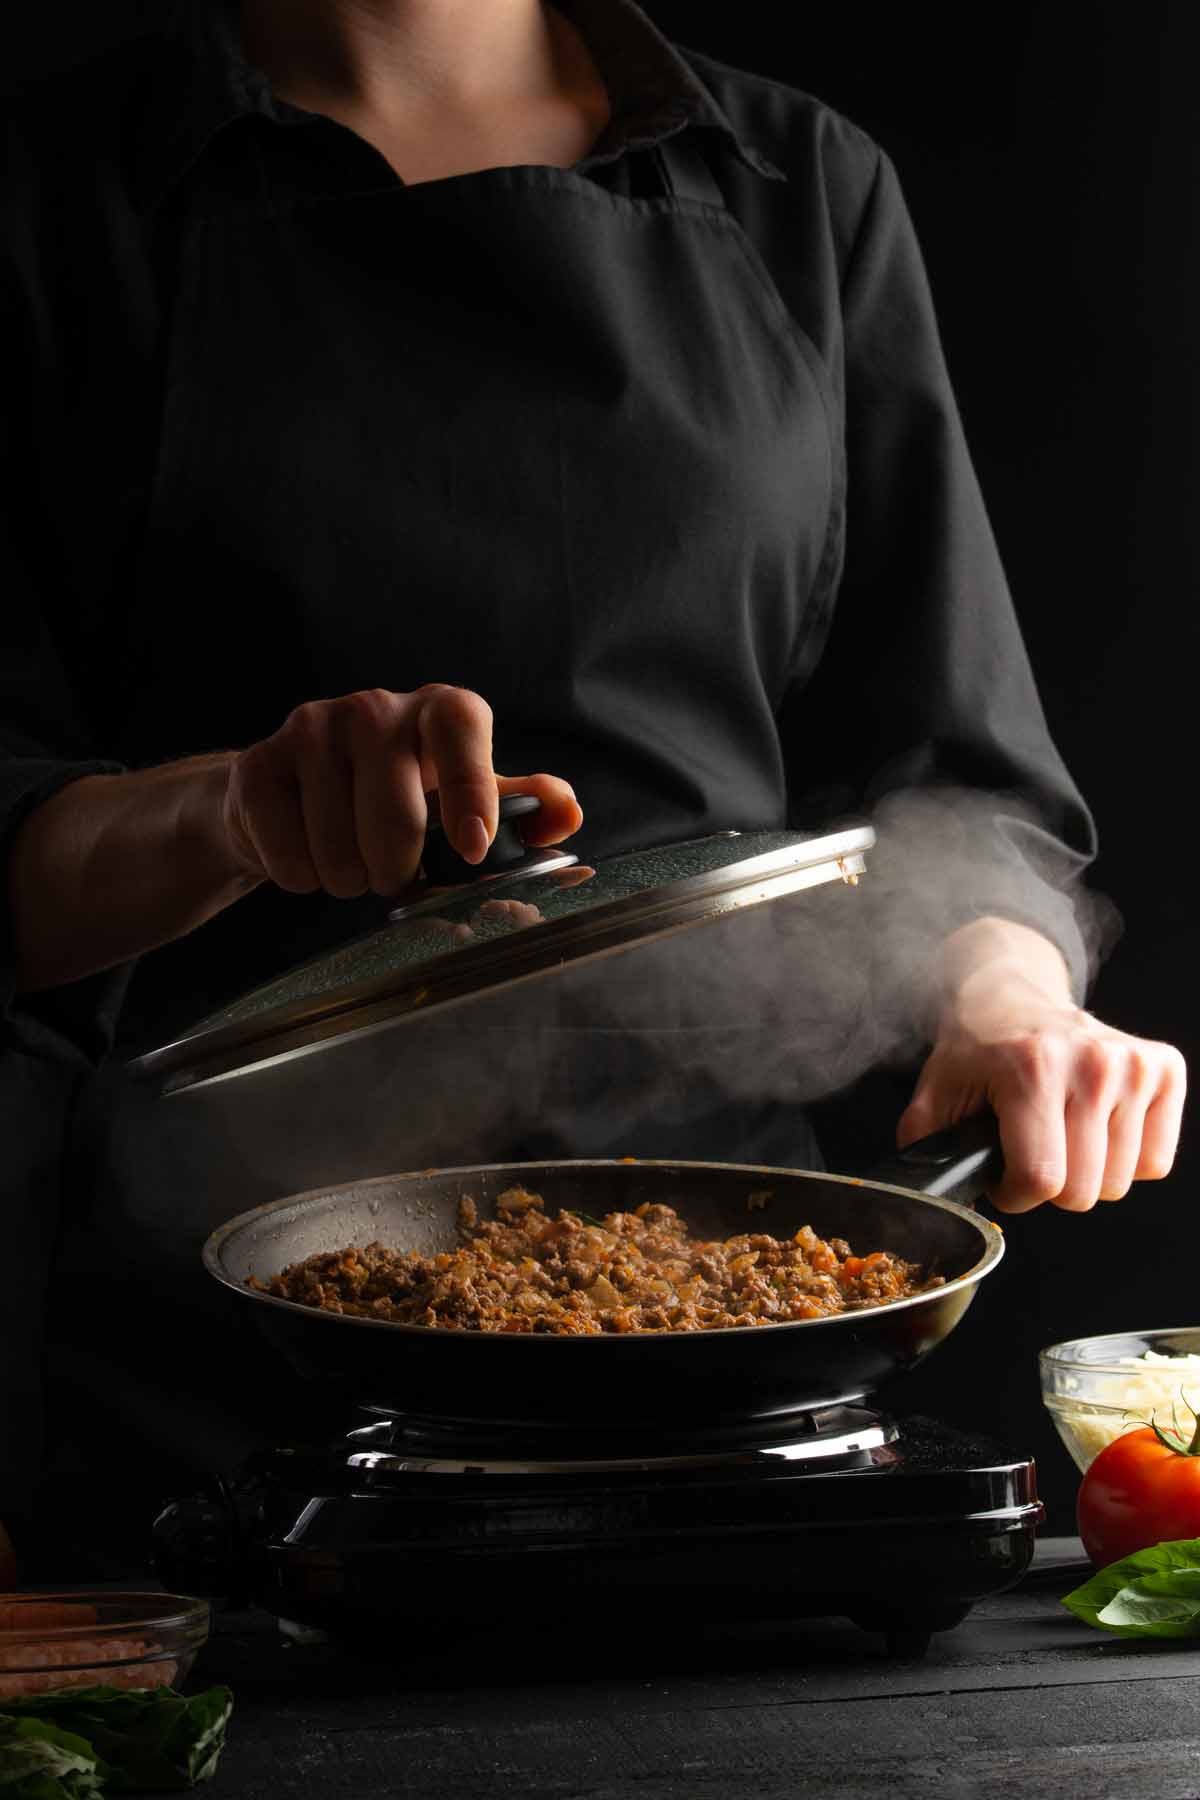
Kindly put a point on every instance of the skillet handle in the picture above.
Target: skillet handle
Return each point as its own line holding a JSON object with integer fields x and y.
{"x": 961, "y": 1163}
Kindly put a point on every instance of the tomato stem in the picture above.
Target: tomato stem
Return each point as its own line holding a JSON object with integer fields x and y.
{"x": 1177, "y": 1439}
{"x": 1194, "y": 1446}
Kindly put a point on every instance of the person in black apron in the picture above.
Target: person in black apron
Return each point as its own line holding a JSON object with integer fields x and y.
{"x": 653, "y": 450}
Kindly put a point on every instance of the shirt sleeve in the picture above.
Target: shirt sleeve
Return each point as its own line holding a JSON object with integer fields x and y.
{"x": 922, "y": 711}
{"x": 44, "y": 745}
{"x": 47, "y": 735}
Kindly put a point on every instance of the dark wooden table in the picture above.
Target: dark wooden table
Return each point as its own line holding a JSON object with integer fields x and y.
{"x": 1020, "y": 1700}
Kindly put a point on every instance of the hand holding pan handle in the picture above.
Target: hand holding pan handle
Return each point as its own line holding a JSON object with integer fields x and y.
{"x": 961, "y": 1163}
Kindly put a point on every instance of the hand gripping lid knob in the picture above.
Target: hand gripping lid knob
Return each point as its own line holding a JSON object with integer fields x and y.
{"x": 508, "y": 852}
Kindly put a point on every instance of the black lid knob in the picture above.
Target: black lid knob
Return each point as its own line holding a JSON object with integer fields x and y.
{"x": 444, "y": 867}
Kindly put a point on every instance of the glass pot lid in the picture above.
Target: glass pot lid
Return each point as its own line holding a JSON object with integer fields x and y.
{"x": 521, "y": 914}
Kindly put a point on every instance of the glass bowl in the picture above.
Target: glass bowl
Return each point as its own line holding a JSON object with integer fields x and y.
{"x": 129, "y": 1640}
{"x": 1095, "y": 1388}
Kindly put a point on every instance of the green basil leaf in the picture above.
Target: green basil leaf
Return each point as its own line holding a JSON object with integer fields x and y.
{"x": 1183, "y": 1583}
{"x": 1176, "y": 1563}
{"x": 585, "y": 1218}
{"x": 147, "y": 1738}
{"x": 41, "y": 1761}
{"x": 1157, "y": 1615}
{"x": 199, "y": 1734}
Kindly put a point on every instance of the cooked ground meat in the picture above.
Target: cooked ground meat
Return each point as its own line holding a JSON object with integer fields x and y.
{"x": 573, "y": 1276}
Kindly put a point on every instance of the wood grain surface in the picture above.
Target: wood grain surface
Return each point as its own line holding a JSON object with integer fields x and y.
{"x": 1021, "y": 1699}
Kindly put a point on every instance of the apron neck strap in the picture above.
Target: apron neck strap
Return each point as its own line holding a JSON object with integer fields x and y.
{"x": 685, "y": 171}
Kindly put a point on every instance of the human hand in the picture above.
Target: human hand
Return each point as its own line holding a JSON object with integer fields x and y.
{"x": 1084, "y": 1110}
{"x": 336, "y": 798}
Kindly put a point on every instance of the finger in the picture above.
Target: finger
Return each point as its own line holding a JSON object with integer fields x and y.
{"x": 561, "y": 813}
{"x": 570, "y": 878}
{"x": 944, "y": 1094}
{"x": 1093, "y": 1091}
{"x": 265, "y": 800}
{"x": 1086, "y": 1123}
{"x": 390, "y": 814}
{"x": 1126, "y": 1127}
{"x": 454, "y": 730}
{"x": 325, "y": 775}
{"x": 1127, "y": 1122}
{"x": 1164, "y": 1116}
{"x": 920, "y": 1118}
{"x": 1030, "y": 1104}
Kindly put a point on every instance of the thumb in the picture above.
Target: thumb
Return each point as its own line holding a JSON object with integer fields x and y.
{"x": 923, "y": 1115}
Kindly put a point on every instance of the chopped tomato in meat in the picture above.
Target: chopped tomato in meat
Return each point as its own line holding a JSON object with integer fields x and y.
{"x": 577, "y": 1276}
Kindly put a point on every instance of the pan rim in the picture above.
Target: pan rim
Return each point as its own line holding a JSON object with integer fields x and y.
{"x": 211, "y": 1251}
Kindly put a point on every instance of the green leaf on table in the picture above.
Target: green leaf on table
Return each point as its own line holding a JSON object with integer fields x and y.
{"x": 1153, "y": 1593}
{"x": 41, "y": 1761}
{"x": 146, "y": 1738}
{"x": 1172, "y": 1598}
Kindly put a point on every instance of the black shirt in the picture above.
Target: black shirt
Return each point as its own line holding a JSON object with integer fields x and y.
{"x": 678, "y": 484}
{"x": 887, "y": 655}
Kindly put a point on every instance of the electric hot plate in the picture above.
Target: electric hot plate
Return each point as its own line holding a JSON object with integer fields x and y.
{"x": 402, "y": 1530}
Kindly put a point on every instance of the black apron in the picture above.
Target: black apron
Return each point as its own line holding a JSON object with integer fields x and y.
{"x": 612, "y": 462}
{"x": 598, "y": 459}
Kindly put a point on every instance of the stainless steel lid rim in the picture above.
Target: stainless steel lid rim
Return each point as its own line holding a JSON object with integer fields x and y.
{"x": 376, "y": 1004}
{"x": 224, "y": 1046}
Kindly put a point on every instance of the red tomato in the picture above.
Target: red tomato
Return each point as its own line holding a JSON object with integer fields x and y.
{"x": 1138, "y": 1492}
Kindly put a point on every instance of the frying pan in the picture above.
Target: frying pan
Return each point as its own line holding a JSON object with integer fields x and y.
{"x": 666, "y": 1382}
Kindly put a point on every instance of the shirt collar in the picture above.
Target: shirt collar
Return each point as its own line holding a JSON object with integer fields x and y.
{"x": 653, "y": 90}
{"x": 207, "y": 83}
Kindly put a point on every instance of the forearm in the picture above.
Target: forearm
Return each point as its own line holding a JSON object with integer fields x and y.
{"x": 994, "y": 965}
{"x": 114, "y": 865}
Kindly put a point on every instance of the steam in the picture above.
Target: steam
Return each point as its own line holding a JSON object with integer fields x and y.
{"x": 796, "y": 999}
{"x": 682, "y": 1047}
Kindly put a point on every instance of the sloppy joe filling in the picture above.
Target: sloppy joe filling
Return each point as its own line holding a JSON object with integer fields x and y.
{"x": 574, "y": 1276}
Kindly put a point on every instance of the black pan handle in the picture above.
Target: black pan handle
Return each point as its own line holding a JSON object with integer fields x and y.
{"x": 961, "y": 1163}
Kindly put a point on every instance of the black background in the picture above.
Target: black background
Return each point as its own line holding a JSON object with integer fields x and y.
{"x": 1050, "y": 158}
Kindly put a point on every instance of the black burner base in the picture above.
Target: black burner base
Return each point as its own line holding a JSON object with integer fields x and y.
{"x": 375, "y": 1541}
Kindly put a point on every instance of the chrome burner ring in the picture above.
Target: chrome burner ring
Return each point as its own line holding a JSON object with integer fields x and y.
{"x": 843, "y": 1433}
